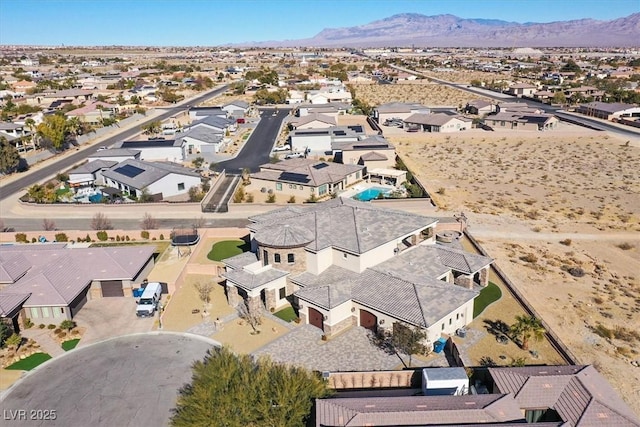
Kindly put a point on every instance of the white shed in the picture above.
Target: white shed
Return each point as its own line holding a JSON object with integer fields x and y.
{"x": 444, "y": 382}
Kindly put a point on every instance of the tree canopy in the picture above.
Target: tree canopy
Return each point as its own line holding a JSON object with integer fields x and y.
{"x": 526, "y": 328}
{"x": 9, "y": 156}
{"x": 236, "y": 390}
{"x": 54, "y": 129}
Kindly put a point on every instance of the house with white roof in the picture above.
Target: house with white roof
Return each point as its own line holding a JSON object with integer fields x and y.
{"x": 438, "y": 122}
{"x": 609, "y": 111}
{"x": 398, "y": 110}
{"x": 48, "y": 283}
{"x": 170, "y": 150}
{"x": 158, "y": 179}
{"x": 90, "y": 173}
{"x": 346, "y": 263}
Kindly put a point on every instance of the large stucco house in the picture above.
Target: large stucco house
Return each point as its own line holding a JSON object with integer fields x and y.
{"x": 344, "y": 263}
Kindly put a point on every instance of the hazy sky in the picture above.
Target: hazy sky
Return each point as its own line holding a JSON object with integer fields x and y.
{"x": 219, "y": 22}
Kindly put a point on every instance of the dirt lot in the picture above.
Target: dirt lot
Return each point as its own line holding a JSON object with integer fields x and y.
{"x": 560, "y": 213}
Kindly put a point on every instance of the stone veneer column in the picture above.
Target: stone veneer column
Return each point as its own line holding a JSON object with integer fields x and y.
{"x": 484, "y": 276}
{"x": 254, "y": 304}
{"x": 464, "y": 281}
{"x": 232, "y": 296}
{"x": 330, "y": 330}
{"x": 270, "y": 299}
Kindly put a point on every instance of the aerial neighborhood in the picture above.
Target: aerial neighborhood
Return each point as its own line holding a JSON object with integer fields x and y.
{"x": 408, "y": 235}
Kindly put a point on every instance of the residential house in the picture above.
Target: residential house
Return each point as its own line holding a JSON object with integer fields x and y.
{"x": 351, "y": 263}
{"x": 584, "y": 92}
{"x": 609, "y": 111}
{"x": 522, "y": 89}
{"x": 158, "y": 179}
{"x": 236, "y": 108}
{"x": 321, "y": 140}
{"x": 521, "y": 121}
{"x": 547, "y": 396}
{"x": 398, "y": 110}
{"x": 517, "y": 107}
{"x": 333, "y": 110}
{"x": 199, "y": 139}
{"x": 197, "y": 113}
{"x": 94, "y": 113}
{"x": 213, "y": 123}
{"x": 372, "y": 152}
{"x": 115, "y": 154}
{"x": 171, "y": 150}
{"x": 329, "y": 95}
{"x": 438, "y": 122}
{"x": 480, "y": 107}
{"x": 304, "y": 178}
{"x": 90, "y": 173}
{"x": 313, "y": 121}
{"x": 48, "y": 283}
{"x": 23, "y": 86}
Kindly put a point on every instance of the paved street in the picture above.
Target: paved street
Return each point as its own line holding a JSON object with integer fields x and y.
{"x": 127, "y": 381}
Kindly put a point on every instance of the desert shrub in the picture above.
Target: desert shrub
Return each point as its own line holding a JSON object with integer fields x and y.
{"x": 13, "y": 341}
{"x": 21, "y": 238}
{"x": 102, "y": 236}
{"x": 574, "y": 271}
{"x": 57, "y": 331}
{"x": 625, "y": 246}
{"x": 61, "y": 237}
{"x": 51, "y": 326}
{"x": 239, "y": 195}
{"x": 127, "y": 238}
{"x": 117, "y": 238}
{"x": 161, "y": 237}
{"x": 624, "y": 334}
{"x": 603, "y": 331}
{"x": 67, "y": 324}
{"x": 441, "y": 191}
{"x": 249, "y": 198}
{"x": 144, "y": 234}
{"x": 598, "y": 300}
{"x": 61, "y": 334}
{"x": 28, "y": 323}
{"x": 292, "y": 199}
{"x": 271, "y": 198}
{"x": 33, "y": 240}
{"x": 41, "y": 326}
{"x": 530, "y": 258}
{"x": 566, "y": 242}
{"x": 624, "y": 351}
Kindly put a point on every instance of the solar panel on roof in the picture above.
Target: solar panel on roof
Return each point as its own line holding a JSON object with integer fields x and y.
{"x": 294, "y": 177}
{"x": 356, "y": 128}
{"x": 129, "y": 171}
{"x": 321, "y": 132}
{"x": 320, "y": 166}
{"x": 339, "y": 133}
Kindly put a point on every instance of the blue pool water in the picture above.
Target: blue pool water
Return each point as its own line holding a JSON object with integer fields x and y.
{"x": 96, "y": 198}
{"x": 370, "y": 194}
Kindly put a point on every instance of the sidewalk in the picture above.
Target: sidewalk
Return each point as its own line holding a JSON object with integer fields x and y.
{"x": 42, "y": 337}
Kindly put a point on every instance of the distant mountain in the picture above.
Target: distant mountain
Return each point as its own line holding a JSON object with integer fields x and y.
{"x": 409, "y": 29}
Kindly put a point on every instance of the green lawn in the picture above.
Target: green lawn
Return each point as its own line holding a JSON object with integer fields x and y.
{"x": 287, "y": 314}
{"x": 227, "y": 249}
{"x": 488, "y": 295}
{"x": 70, "y": 345}
{"x": 30, "y": 362}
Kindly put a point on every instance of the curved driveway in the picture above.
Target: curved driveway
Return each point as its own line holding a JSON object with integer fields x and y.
{"x": 127, "y": 381}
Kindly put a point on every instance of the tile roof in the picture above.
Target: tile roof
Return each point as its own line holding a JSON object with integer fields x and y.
{"x": 400, "y": 107}
{"x": 346, "y": 224}
{"x": 305, "y": 171}
{"x": 373, "y": 156}
{"x": 56, "y": 275}
{"x": 579, "y": 394}
{"x": 284, "y": 236}
{"x": 309, "y": 118}
{"x": 202, "y": 133}
{"x": 241, "y": 260}
{"x": 250, "y": 280}
{"x": 417, "y": 410}
{"x": 374, "y": 142}
{"x": 12, "y": 266}
{"x": 93, "y": 166}
{"x": 10, "y": 301}
{"x": 115, "y": 152}
{"x": 612, "y": 107}
{"x": 151, "y": 172}
{"x": 436, "y": 119}
{"x": 214, "y": 121}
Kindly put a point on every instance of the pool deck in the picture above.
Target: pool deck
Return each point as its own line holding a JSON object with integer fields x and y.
{"x": 359, "y": 188}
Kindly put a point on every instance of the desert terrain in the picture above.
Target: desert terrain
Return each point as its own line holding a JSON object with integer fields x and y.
{"x": 560, "y": 213}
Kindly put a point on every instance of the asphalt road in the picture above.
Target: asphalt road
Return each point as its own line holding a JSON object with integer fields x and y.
{"x": 69, "y": 160}
{"x": 257, "y": 150}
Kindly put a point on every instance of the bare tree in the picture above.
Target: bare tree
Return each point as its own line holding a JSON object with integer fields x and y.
{"x": 148, "y": 222}
{"x": 204, "y": 291}
{"x": 251, "y": 316}
{"x": 100, "y": 222}
{"x": 48, "y": 225}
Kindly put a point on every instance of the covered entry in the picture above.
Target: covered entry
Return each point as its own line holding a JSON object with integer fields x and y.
{"x": 368, "y": 320}
{"x": 112, "y": 288}
{"x": 316, "y": 318}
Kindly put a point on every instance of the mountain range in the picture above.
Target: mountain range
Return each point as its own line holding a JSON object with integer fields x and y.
{"x": 412, "y": 29}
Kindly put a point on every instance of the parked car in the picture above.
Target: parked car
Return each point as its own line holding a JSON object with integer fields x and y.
{"x": 285, "y": 147}
{"x": 240, "y": 121}
{"x": 294, "y": 156}
{"x": 148, "y": 303}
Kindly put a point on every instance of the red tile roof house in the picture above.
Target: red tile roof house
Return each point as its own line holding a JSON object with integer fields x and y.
{"x": 347, "y": 263}
{"x": 57, "y": 280}
{"x": 549, "y": 396}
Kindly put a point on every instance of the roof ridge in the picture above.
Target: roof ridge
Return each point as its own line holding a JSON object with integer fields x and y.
{"x": 424, "y": 319}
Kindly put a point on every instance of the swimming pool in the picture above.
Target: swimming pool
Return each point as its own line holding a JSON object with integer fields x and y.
{"x": 371, "y": 193}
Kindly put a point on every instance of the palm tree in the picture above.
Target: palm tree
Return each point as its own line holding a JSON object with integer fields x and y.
{"x": 525, "y": 328}
{"x": 31, "y": 125}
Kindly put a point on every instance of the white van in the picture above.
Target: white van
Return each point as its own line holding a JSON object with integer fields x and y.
{"x": 148, "y": 303}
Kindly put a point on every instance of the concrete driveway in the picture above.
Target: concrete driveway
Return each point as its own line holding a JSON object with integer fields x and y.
{"x": 126, "y": 381}
{"x": 111, "y": 317}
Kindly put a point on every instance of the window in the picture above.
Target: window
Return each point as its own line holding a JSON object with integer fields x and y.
{"x": 457, "y": 316}
{"x": 35, "y": 312}
{"x": 450, "y": 320}
{"x": 283, "y": 293}
{"x": 265, "y": 257}
{"x": 442, "y": 328}
{"x": 276, "y": 258}
{"x": 501, "y": 123}
{"x": 45, "y": 312}
{"x": 56, "y": 311}
{"x": 180, "y": 186}
{"x": 344, "y": 256}
{"x": 290, "y": 258}
{"x": 279, "y": 186}
{"x": 322, "y": 190}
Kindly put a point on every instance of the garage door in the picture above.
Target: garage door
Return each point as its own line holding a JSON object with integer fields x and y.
{"x": 368, "y": 320}
{"x": 316, "y": 318}
{"x": 112, "y": 288}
